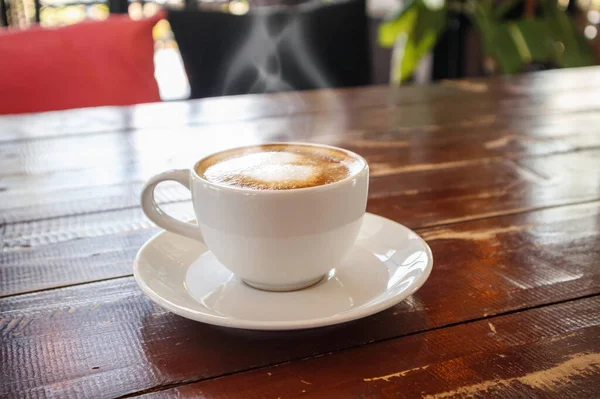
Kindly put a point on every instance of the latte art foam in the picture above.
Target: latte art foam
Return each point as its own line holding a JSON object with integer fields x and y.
{"x": 278, "y": 167}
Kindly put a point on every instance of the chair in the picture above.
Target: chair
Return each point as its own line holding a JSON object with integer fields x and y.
{"x": 273, "y": 49}
{"x": 89, "y": 64}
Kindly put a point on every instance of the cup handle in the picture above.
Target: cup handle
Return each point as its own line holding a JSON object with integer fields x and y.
{"x": 160, "y": 217}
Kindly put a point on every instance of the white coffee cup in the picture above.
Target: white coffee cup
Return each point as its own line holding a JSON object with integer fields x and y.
{"x": 276, "y": 240}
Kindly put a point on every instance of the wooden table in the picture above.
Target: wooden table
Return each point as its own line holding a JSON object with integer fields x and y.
{"x": 501, "y": 177}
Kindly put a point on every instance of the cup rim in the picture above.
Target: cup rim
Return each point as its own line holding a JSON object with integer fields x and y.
{"x": 365, "y": 166}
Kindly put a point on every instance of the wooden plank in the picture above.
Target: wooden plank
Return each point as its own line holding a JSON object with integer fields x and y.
{"x": 442, "y": 196}
{"x": 72, "y": 262}
{"x": 18, "y": 207}
{"x": 142, "y": 347}
{"x": 552, "y": 352}
{"x": 116, "y": 184}
{"x": 416, "y": 196}
{"x": 543, "y": 82}
{"x": 152, "y": 148}
{"x": 184, "y": 113}
{"x": 240, "y": 108}
{"x": 106, "y": 339}
{"x": 52, "y": 231}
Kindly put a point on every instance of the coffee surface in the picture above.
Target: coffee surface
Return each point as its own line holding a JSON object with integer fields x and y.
{"x": 278, "y": 167}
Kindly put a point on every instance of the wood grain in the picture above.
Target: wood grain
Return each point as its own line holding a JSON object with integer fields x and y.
{"x": 71, "y": 262}
{"x": 51, "y": 178}
{"x": 120, "y": 158}
{"x": 442, "y": 196}
{"x": 27, "y": 165}
{"x": 415, "y": 196}
{"x": 187, "y": 144}
{"x": 107, "y": 339}
{"x": 241, "y": 108}
{"x": 500, "y": 176}
{"x": 547, "y": 352}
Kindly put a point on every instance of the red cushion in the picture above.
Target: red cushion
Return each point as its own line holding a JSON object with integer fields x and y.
{"x": 89, "y": 64}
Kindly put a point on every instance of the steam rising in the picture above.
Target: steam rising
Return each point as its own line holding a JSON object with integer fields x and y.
{"x": 259, "y": 59}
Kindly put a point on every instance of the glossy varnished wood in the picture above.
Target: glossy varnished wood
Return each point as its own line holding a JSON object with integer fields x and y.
{"x": 53, "y": 177}
{"x": 500, "y": 176}
{"x": 547, "y": 352}
{"x": 55, "y": 154}
{"x": 481, "y": 270}
{"x": 417, "y": 199}
{"x": 242, "y": 108}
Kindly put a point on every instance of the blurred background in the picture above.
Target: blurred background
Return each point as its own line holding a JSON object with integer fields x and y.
{"x": 405, "y": 41}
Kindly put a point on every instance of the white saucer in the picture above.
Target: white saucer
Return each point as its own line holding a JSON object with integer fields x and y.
{"x": 388, "y": 263}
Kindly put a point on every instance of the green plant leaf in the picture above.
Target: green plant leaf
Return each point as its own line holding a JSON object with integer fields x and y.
{"x": 499, "y": 44}
{"x": 412, "y": 33}
{"x": 516, "y": 44}
{"x": 570, "y": 47}
{"x": 532, "y": 39}
{"x": 553, "y": 37}
{"x": 402, "y": 22}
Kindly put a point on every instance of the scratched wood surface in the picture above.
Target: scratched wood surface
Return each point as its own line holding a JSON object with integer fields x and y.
{"x": 538, "y": 353}
{"x": 500, "y": 176}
